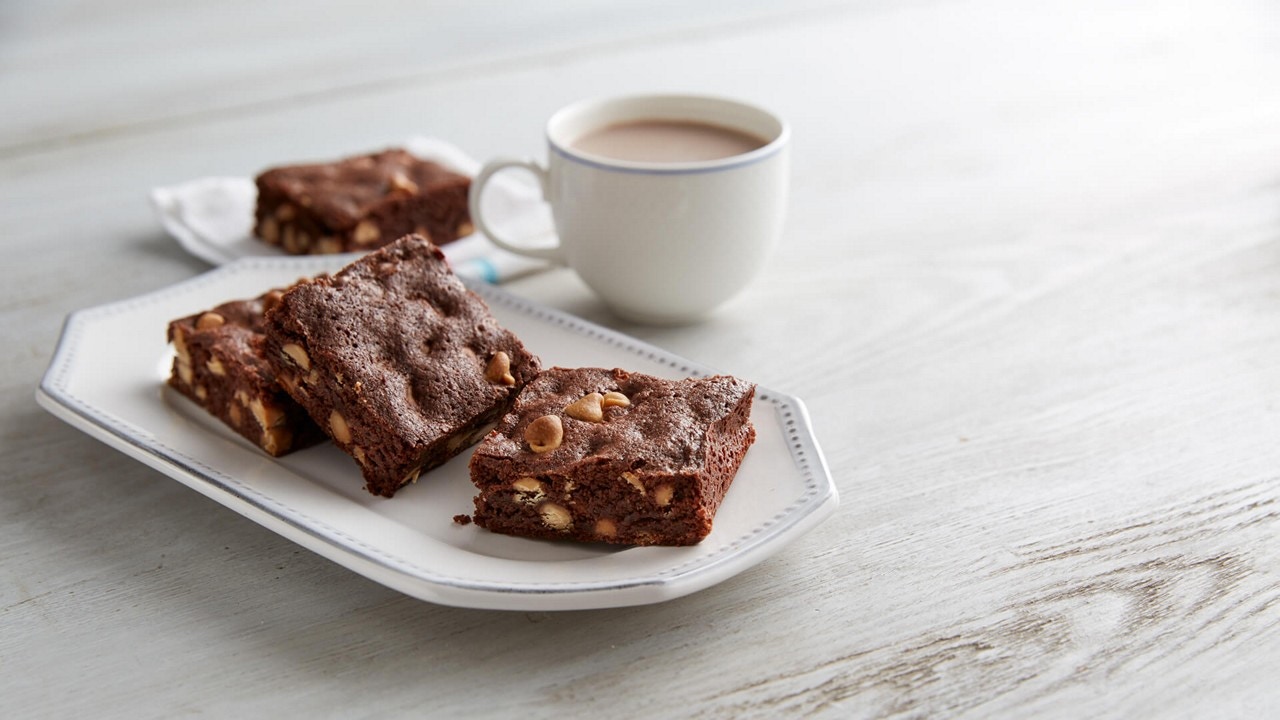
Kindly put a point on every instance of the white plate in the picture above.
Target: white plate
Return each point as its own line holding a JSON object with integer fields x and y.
{"x": 107, "y": 379}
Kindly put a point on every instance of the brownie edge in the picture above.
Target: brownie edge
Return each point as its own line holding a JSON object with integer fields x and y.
{"x": 218, "y": 364}
{"x": 597, "y": 455}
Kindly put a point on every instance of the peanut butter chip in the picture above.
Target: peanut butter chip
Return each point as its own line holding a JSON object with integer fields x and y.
{"x": 662, "y": 496}
{"x": 297, "y": 355}
{"x": 411, "y": 476}
{"x": 544, "y": 434}
{"x": 528, "y": 485}
{"x": 338, "y": 428}
{"x": 296, "y": 242}
{"x": 634, "y": 480}
{"x": 269, "y": 230}
{"x": 268, "y": 416}
{"x": 614, "y": 398}
{"x": 366, "y": 233}
{"x": 180, "y": 345}
{"x": 401, "y": 182}
{"x": 555, "y": 516}
{"x": 209, "y": 321}
{"x": 587, "y": 408}
{"x": 499, "y": 369}
{"x": 276, "y": 441}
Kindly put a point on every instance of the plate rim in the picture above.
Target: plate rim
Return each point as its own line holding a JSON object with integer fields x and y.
{"x": 818, "y": 501}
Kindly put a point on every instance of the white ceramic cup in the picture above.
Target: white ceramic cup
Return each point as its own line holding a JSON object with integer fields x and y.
{"x": 659, "y": 242}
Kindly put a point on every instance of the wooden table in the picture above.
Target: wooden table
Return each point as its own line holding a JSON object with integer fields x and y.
{"x": 1029, "y": 290}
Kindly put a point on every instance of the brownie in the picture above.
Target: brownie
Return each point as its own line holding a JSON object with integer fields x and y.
{"x": 219, "y": 365}
{"x": 397, "y": 360}
{"x": 360, "y": 203}
{"x": 591, "y": 454}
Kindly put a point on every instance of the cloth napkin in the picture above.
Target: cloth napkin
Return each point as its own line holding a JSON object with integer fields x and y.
{"x": 212, "y": 218}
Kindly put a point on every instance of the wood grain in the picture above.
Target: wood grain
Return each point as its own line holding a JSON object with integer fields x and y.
{"x": 1094, "y": 603}
{"x": 1029, "y": 291}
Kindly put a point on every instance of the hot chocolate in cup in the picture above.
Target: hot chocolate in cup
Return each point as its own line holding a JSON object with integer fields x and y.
{"x": 667, "y": 206}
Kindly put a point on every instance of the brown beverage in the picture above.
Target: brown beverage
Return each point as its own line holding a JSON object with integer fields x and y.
{"x": 662, "y": 141}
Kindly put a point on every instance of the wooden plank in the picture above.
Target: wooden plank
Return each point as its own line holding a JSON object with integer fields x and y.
{"x": 1029, "y": 291}
{"x": 79, "y": 71}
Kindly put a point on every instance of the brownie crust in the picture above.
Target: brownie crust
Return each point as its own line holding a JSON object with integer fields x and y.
{"x": 396, "y": 360}
{"x": 636, "y": 459}
{"x": 360, "y": 203}
{"x": 219, "y": 365}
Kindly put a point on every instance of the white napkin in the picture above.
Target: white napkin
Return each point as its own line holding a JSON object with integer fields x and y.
{"x": 212, "y": 218}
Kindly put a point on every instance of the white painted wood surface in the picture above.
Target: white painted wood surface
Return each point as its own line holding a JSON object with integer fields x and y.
{"x": 1030, "y": 290}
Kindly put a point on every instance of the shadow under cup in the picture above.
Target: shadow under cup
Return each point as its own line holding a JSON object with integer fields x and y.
{"x": 667, "y": 242}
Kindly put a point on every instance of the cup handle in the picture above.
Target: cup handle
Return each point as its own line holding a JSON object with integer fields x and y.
{"x": 554, "y": 253}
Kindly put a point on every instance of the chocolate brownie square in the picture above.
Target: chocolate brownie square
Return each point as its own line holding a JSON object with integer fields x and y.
{"x": 218, "y": 364}
{"x": 591, "y": 454}
{"x": 399, "y": 362}
{"x": 360, "y": 203}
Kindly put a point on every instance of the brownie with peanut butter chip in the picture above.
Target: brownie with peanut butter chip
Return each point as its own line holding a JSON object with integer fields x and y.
{"x": 360, "y": 203}
{"x": 597, "y": 455}
{"x": 218, "y": 364}
{"x": 396, "y": 360}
